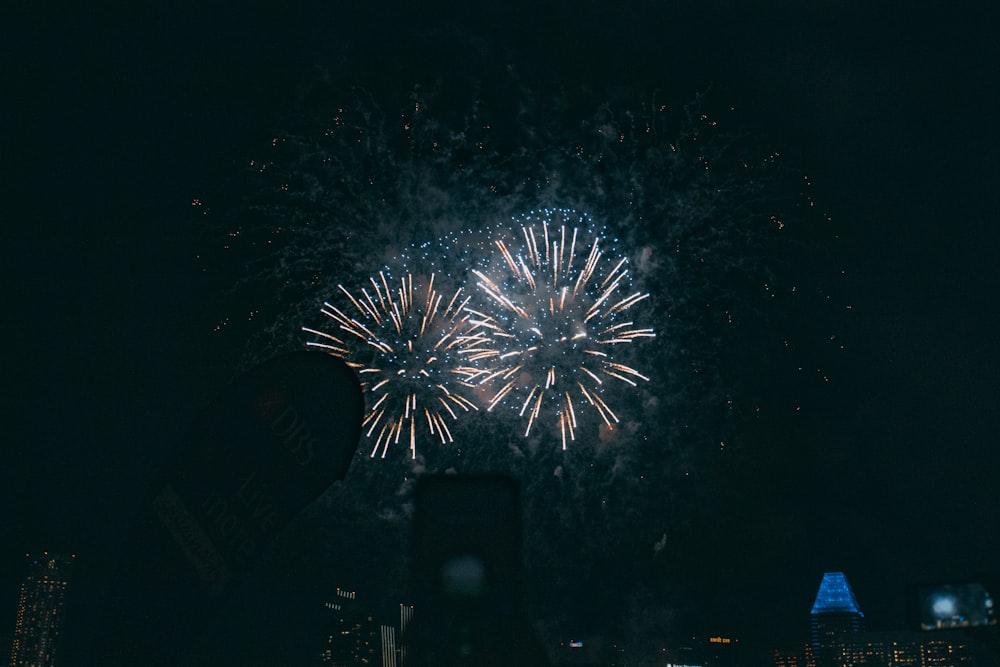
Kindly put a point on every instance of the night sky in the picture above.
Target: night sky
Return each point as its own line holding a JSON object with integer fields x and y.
{"x": 116, "y": 119}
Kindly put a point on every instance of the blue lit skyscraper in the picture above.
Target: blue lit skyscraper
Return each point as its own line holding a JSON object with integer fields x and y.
{"x": 835, "y": 616}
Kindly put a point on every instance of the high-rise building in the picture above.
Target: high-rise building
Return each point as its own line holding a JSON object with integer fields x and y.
{"x": 835, "y": 616}
{"x": 405, "y": 617}
{"x": 41, "y": 610}
{"x": 389, "y": 651}
{"x": 355, "y": 637}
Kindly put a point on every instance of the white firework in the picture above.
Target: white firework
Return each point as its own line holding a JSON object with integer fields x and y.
{"x": 558, "y": 306}
{"x": 407, "y": 344}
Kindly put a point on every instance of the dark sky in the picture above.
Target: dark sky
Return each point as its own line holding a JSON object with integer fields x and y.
{"x": 115, "y": 118}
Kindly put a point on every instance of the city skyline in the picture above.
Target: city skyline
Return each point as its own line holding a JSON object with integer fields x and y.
{"x": 358, "y": 631}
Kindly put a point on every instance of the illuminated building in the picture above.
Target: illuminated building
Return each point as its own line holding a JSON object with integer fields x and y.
{"x": 835, "y": 616}
{"x": 793, "y": 657}
{"x": 838, "y": 638}
{"x": 405, "y": 617}
{"x": 41, "y": 611}
{"x": 356, "y": 638}
{"x": 782, "y": 657}
{"x": 891, "y": 649}
{"x": 352, "y": 639}
{"x": 907, "y": 649}
{"x": 388, "y": 646}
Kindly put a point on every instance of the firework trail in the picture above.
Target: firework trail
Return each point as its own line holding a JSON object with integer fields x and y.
{"x": 408, "y": 343}
{"x": 558, "y": 313}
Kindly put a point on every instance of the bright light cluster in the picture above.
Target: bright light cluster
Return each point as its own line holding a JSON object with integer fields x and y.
{"x": 537, "y": 334}
{"x": 407, "y": 345}
{"x": 559, "y": 306}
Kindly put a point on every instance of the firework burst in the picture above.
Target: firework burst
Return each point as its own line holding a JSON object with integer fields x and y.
{"x": 559, "y": 306}
{"x": 719, "y": 228}
{"x": 714, "y": 227}
{"x": 407, "y": 342}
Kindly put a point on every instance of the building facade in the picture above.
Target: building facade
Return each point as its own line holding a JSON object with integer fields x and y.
{"x": 356, "y": 637}
{"x": 41, "y": 610}
{"x": 834, "y": 618}
{"x": 908, "y": 649}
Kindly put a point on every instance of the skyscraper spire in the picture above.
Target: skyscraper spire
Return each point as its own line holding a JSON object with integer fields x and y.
{"x": 835, "y": 615}
{"x": 835, "y": 596}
